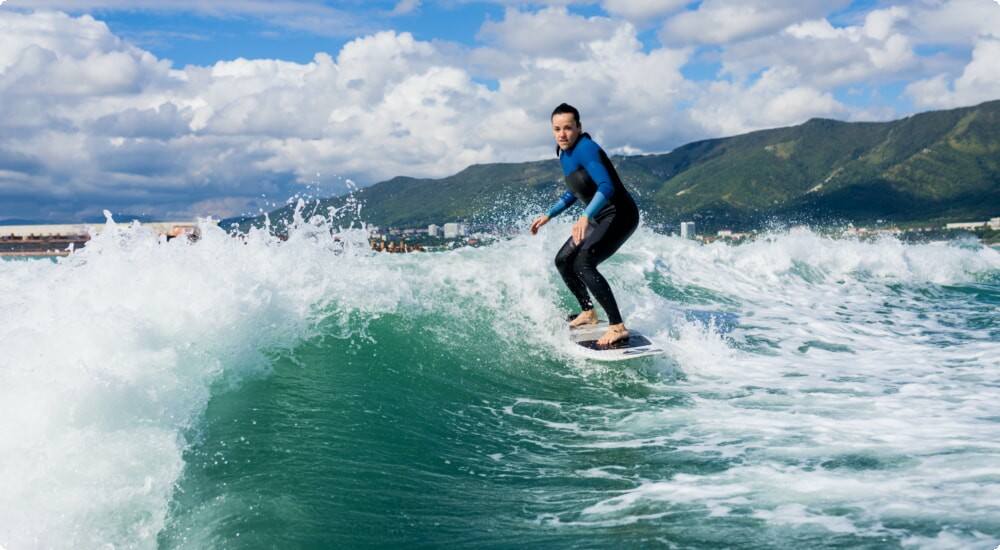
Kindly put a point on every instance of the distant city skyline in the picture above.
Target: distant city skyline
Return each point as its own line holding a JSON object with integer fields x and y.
{"x": 182, "y": 109}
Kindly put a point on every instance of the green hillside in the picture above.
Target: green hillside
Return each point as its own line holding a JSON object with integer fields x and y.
{"x": 934, "y": 166}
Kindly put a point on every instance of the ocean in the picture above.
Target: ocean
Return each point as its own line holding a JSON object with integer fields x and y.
{"x": 255, "y": 392}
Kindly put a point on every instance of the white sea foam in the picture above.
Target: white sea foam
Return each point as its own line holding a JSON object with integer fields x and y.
{"x": 840, "y": 381}
{"x": 851, "y": 380}
{"x": 109, "y": 357}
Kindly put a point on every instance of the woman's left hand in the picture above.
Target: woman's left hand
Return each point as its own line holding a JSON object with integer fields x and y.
{"x": 580, "y": 229}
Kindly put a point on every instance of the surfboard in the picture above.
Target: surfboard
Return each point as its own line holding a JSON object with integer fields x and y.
{"x": 637, "y": 345}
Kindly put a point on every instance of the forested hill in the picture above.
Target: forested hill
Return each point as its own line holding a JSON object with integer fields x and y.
{"x": 934, "y": 166}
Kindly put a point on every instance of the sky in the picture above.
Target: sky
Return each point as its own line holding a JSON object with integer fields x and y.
{"x": 182, "y": 109}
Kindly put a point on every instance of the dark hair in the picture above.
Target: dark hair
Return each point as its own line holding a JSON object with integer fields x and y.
{"x": 564, "y": 108}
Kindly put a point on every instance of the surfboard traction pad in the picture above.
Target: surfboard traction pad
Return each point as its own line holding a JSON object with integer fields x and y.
{"x": 636, "y": 345}
{"x": 633, "y": 341}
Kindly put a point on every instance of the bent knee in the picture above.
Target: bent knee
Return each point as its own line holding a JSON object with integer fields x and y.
{"x": 584, "y": 263}
{"x": 565, "y": 258}
{"x": 561, "y": 262}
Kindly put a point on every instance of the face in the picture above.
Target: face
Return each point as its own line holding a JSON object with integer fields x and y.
{"x": 566, "y": 130}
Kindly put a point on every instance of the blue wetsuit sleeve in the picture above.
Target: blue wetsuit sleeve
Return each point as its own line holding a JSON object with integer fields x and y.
{"x": 564, "y": 202}
{"x": 596, "y": 203}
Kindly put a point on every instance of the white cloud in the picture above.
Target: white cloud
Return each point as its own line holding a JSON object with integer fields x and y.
{"x": 163, "y": 122}
{"x": 825, "y": 56}
{"x": 82, "y": 58}
{"x": 627, "y": 96}
{"x": 775, "y": 99}
{"x": 81, "y": 106}
{"x": 958, "y": 78}
{"x": 638, "y": 11}
{"x": 955, "y": 22}
{"x": 979, "y": 81}
{"x": 404, "y": 7}
{"x": 551, "y": 32}
{"x": 724, "y": 21}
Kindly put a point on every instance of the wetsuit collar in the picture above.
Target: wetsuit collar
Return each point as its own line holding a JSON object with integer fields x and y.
{"x": 559, "y": 150}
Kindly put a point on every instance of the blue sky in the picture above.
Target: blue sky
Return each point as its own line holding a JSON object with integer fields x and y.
{"x": 227, "y": 107}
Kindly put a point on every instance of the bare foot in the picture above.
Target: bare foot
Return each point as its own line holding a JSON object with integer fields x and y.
{"x": 614, "y": 334}
{"x": 585, "y": 318}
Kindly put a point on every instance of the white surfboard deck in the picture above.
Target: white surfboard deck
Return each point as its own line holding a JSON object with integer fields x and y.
{"x": 636, "y": 346}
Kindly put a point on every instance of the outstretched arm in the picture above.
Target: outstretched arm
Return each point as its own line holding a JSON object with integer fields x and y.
{"x": 538, "y": 223}
{"x": 564, "y": 202}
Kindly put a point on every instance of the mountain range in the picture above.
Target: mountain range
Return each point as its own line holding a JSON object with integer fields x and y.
{"x": 930, "y": 167}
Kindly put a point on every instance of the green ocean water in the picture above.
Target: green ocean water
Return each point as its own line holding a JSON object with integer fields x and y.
{"x": 814, "y": 393}
{"x": 412, "y": 442}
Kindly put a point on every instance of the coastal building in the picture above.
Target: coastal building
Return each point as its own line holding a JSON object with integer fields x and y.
{"x": 965, "y": 225}
{"x": 433, "y": 230}
{"x": 455, "y": 230}
{"x": 687, "y": 230}
{"x": 170, "y": 229}
{"x": 60, "y": 239}
{"x": 994, "y": 223}
{"x": 22, "y": 232}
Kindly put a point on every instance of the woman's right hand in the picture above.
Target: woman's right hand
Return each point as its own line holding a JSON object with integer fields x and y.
{"x": 539, "y": 222}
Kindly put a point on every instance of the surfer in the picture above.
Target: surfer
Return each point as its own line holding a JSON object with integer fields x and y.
{"x": 609, "y": 218}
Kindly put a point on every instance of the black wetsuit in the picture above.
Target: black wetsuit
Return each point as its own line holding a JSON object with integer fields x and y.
{"x": 592, "y": 179}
